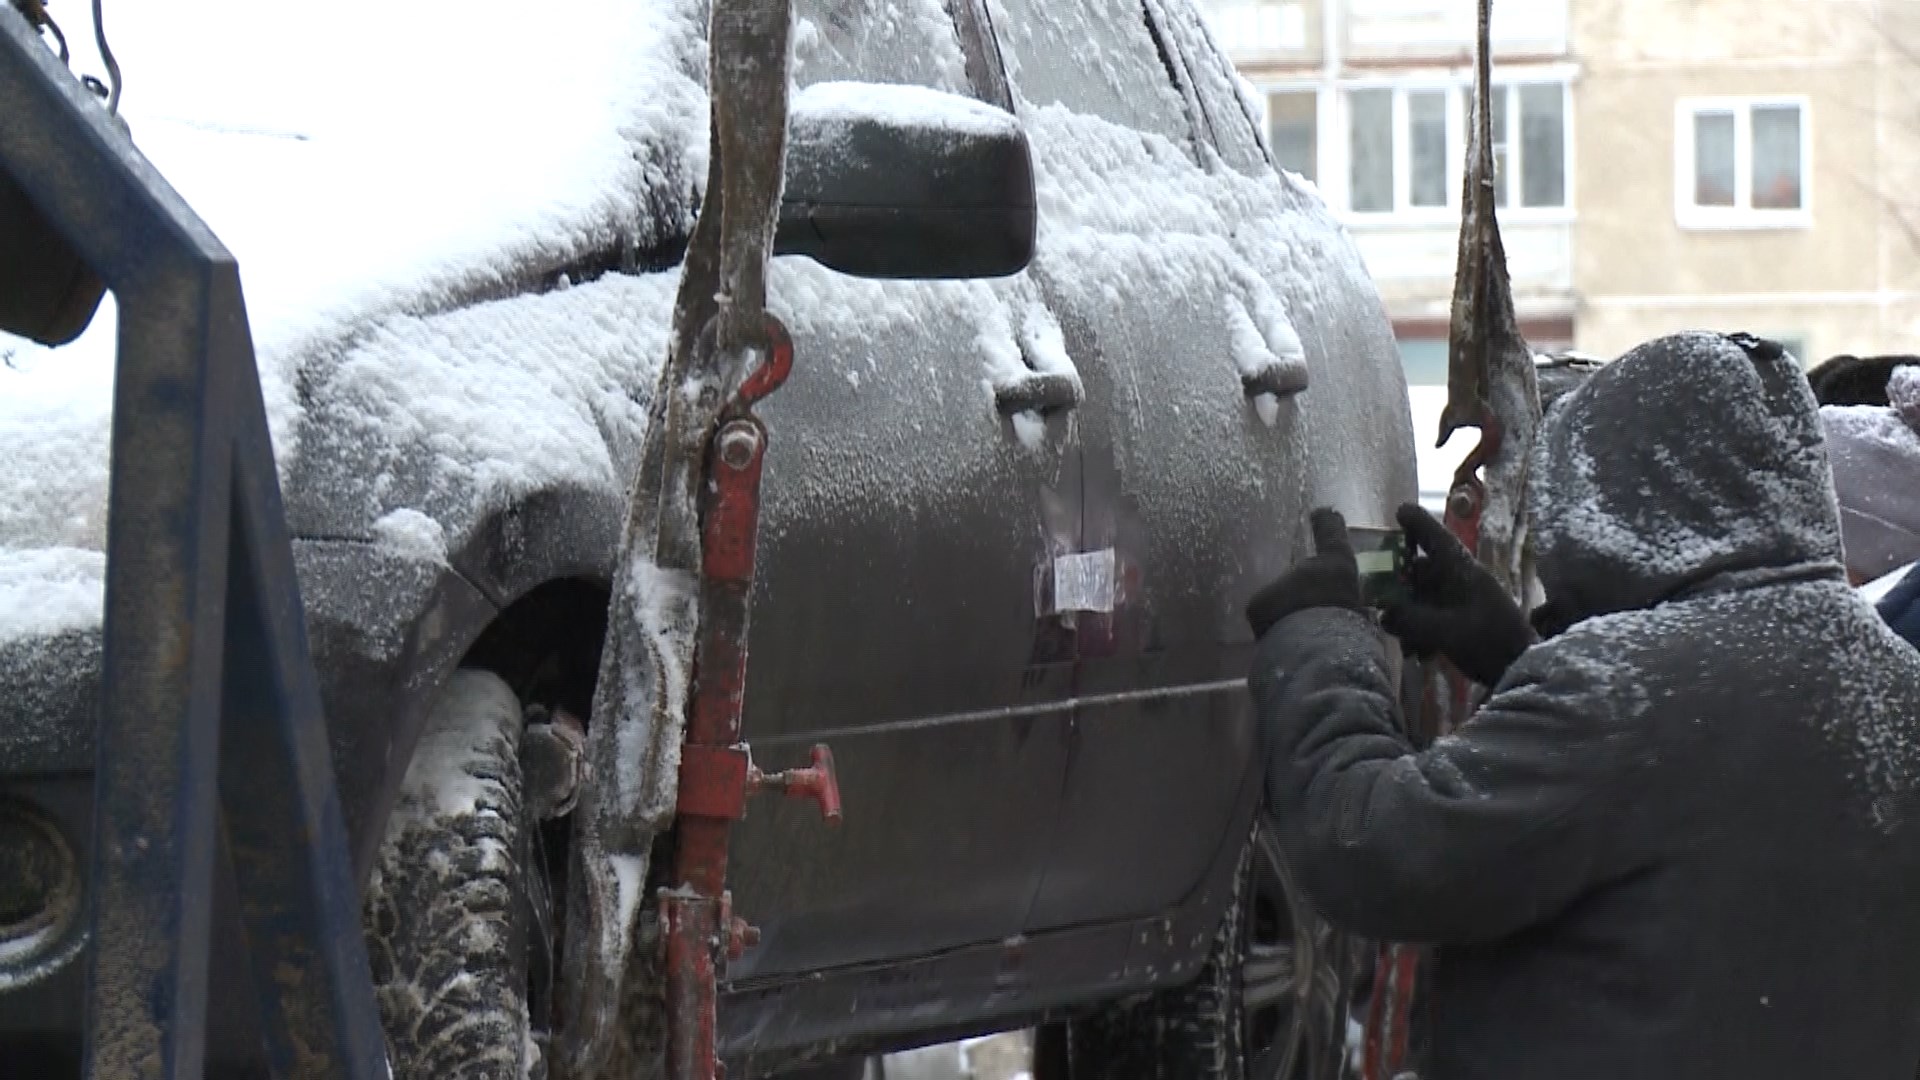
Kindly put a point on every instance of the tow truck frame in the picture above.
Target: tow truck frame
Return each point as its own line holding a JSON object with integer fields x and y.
{"x": 210, "y": 732}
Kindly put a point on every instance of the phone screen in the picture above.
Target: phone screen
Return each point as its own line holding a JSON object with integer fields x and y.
{"x": 1382, "y": 555}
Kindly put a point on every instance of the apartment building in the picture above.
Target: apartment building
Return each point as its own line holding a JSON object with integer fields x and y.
{"x": 1369, "y": 100}
{"x": 1663, "y": 164}
{"x": 1749, "y": 166}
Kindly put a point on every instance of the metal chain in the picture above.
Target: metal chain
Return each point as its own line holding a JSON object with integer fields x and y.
{"x": 37, "y": 16}
{"x": 35, "y": 12}
{"x": 106, "y": 57}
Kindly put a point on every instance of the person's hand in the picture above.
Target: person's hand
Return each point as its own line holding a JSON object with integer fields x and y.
{"x": 1330, "y": 577}
{"x": 1455, "y": 607}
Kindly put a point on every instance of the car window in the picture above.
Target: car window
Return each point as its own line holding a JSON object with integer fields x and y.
{"x": 1235, "y": 131}
{"x": 890, "y": 41}
{"x": 1093, "y": 56}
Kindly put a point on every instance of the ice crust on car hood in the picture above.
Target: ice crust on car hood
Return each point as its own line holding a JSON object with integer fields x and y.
{"x": 369, "y": 176}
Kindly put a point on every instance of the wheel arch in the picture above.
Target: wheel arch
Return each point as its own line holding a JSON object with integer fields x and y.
{"x": 535, "y": 577}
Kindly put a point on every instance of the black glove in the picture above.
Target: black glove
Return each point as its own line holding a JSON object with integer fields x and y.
{"x": 1550, "y": 620}
{"x": 1455, "y": 607}
{"x": 1330, "y": 577}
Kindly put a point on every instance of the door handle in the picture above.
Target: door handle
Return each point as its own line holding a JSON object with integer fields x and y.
{"x": 1281, "y": 377}
{"x": 1039, "y": 391}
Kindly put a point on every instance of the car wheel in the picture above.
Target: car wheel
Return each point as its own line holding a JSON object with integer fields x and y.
{"x": 1270, "y": 1002}
{"x": 447, "y": 910}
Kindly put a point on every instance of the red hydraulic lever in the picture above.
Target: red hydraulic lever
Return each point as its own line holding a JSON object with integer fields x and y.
{"x": 816, "y": 782}
{"x": 717, "y": 773}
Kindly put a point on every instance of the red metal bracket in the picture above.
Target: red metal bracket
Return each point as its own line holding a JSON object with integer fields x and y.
{"x": 700, "y": 932}
{"x": 816, "y": 782}
{"x": 713, "y": 781}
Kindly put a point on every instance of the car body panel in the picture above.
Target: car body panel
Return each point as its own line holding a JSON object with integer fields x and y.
{"x": 894, "y": 617}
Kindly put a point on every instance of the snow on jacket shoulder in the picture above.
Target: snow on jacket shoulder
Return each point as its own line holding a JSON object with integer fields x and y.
{"x": 1681, "y": 839}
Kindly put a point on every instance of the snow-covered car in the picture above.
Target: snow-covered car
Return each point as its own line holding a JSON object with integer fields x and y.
{"x": 1009, "y": 522}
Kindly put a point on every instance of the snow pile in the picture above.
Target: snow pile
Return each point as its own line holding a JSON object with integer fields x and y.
{"x": 454, "y": 415}
{"x": 412, "y": 534}
{"x": 50, "y": 590}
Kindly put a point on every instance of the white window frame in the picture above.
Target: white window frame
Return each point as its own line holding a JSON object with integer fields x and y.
{"x": 1292, "y": 16}
{"x": 1403, "y": 212}
{"x": 1742, "y": 214}
{"x": 1336, "y": 180}
{"x": 1322, "y": 111}
{"x": 1516, "y": 152}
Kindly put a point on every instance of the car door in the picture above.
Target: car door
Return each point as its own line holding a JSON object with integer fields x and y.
{"x": 1291, "y": 241}
{"x": 1196, "y": 487}
{"x": 907, "y": 507}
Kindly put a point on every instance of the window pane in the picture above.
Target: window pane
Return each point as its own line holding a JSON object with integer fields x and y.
{"x": 1293, "y": 127}
{"x": 1776, "y": 157}
{"x": 1543, "y": 142}
{"x": 866, "y": 41}
{"x": 1713, "y": 159}
{"x": 1501, "y": 141}
{"x": 1370, "y": 144}
{"x": 1427, "y": 148}
{"x": 1096, "y": 57}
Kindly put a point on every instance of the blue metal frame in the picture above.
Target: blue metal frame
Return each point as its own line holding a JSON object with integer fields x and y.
{"x": 209, "y": 701}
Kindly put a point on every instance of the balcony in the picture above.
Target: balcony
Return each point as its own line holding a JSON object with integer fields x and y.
{"x": 1374, "y": 33}
{"x": 1412, "y": 30}
{"x": 1413, "y": 264}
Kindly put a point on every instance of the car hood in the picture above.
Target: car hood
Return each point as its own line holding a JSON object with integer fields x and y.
{"x": 411, "y": 217}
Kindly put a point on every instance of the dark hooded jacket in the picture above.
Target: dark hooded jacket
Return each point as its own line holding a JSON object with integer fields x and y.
{"x": 1680, "y": 839}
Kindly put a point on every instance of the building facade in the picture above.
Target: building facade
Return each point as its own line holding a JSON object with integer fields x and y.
{"x": 1752, "y": 167}
{"x": 1663, "y": 164}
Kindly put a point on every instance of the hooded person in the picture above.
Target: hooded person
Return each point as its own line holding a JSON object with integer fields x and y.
{"x": 1680, "y": 837}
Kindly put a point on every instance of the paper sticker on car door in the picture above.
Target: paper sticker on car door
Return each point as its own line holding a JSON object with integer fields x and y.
{"x": 1083, "y": 581}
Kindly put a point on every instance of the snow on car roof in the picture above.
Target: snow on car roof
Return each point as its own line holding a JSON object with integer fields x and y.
{"x": 363, "y": 168}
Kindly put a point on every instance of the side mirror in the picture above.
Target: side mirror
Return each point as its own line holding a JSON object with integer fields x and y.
{"x": 887, "y": 181}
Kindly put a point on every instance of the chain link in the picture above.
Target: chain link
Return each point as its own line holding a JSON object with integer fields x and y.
{"x": 37, "y": 16}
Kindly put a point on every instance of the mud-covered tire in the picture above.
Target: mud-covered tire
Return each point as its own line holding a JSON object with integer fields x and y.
{"x": 446, "y": 911}
{"x": 1237, "y": 1021}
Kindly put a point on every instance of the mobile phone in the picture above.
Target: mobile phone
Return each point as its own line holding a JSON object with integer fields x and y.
{"x": 1382, "y": 555}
